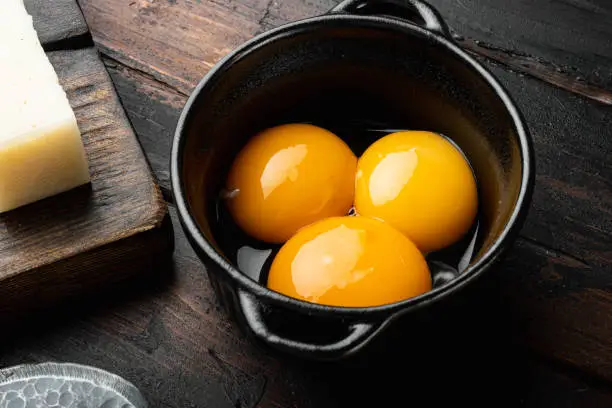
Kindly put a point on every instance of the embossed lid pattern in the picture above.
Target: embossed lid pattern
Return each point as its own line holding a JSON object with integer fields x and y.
{"x": 52, "y": 385}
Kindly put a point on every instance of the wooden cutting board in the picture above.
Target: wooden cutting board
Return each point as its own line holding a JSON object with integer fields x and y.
{"x": 95, "y": 235}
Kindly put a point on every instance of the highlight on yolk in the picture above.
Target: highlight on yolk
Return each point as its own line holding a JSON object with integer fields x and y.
{"x": 421, "y": 184}
{"x": 287, "y": 177}
{"x": 350, "y": 262}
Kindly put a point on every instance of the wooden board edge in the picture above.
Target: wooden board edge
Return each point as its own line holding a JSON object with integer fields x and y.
{"x": 159, "y": 208}
{"x": 64, "y": 282}
{"x": 60, "y": 24}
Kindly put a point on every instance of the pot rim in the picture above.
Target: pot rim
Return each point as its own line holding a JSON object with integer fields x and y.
{"x": 505, "y": 238}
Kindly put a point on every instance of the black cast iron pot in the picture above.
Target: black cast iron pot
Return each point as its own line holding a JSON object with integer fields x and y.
{"x": 385, "y": 61}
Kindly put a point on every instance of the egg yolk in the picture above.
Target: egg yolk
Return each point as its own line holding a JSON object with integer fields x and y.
{"x": 350, "y": 262}
{"x": 287, "y": 177}
{"x": 421, "y": 184}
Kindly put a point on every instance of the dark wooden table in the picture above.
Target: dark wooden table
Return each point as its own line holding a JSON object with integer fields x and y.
{"x": 538, "y": 335}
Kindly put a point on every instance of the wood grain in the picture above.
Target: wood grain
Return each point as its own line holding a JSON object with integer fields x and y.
{"x": 568, "y": 234}
{"x": 572, "y": 204}
{"x": 571, "y": 209}
{"x": 572, "y": 36}
{"x": 558, "y": 119}
{"x": 194, "y": 35}
{"x": 103, "y": 232}
{"x": 564, "y": 42}
{"x": 547, "y": 39}
{"x": 562, "y": 262}
{"x": 552, "y": 293}
{"x": 171, "y": 338}
{"x": 59, "y": 23}
{"x": 153, "y": 109}
{"x": 540, "y": 69}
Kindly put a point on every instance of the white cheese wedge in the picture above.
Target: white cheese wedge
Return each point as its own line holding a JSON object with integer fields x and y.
{"x": 41, "y": 150}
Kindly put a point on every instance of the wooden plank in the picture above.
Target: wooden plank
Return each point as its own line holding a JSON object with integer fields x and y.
{"x": 569, "y": 226}
{"x": 558, "y": 306}
{"x": 571, "y": 210}
{"x": 572, "y": 204}
{"x": 558, "y": 278}
{"x": 194, "y": 35}
{"x": 153, "y": 109}
{"x": 178, "y": 41}
{"x": 59, "y": 23}
{"x": 564, "y": 257}
{"x": 175, "y": 343}
{"x": 572, "y": 36}
{"x": 545, "y": 39}
{"x": 104, "y": 232}
{"x": 538, "y": 68}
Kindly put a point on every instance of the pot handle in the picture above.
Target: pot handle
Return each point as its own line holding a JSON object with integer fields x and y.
{"x": 359, "y": 334}
{"x": 432, "y": 19}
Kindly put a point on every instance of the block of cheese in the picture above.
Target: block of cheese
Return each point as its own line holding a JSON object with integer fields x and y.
{"x": 41, "y": 150}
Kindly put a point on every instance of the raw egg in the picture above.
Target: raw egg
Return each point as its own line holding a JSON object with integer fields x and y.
{"x": 351, "y": 262}
{"x": 421, "y": 184}
{"x": 287, "y": 177}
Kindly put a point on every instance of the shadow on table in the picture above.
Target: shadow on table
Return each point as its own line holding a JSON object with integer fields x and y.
{"x": 19, "y": 326}
{"x": 464, "y": 353}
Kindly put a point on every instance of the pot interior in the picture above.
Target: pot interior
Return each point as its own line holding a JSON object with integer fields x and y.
{"x": 334, "y": 73}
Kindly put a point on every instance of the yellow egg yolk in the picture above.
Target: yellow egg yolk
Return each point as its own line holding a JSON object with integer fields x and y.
{"x": 287, "y": 177}
{"x": 350, "y": 262}
{"x": 421, "y": 184}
